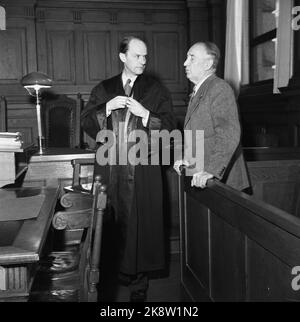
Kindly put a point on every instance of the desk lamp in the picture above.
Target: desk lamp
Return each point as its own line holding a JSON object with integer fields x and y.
{"x": 33, "y": 82}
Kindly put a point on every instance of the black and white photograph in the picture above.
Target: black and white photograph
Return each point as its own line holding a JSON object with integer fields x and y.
{"x": 149, "y": 154}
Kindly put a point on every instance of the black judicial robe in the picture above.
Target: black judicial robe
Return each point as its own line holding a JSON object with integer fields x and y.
{"x": 135, "y": 192}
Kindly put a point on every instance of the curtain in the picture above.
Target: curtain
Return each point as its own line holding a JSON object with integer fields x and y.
{"x": 284, "y": 45}
{"x": 237, "y": 44}
{"x": 2, "y": 18}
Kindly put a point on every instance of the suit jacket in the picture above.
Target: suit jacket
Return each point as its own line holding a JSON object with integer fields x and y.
{"x": 214, "y": 110}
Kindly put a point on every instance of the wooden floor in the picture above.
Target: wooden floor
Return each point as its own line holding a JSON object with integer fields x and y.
{"x": 163, "y": 288}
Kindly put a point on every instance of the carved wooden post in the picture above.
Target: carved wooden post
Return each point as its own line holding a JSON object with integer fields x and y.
{"x": 99, "y": 207}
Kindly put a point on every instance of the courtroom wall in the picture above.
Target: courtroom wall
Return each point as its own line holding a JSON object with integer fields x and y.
{"x": 76, "y": 44}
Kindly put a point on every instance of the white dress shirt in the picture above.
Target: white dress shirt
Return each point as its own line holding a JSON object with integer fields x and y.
{"x": 197, "y": 86}
{"x": 124, "y": 80}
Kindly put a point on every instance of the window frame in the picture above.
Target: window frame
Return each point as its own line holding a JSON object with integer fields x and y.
{"x": 254, "y": 41}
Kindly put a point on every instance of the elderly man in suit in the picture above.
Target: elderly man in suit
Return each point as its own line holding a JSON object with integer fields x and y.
{"x": 213, "y": 110}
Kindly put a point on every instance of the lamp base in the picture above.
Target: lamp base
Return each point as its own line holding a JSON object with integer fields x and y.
{"x": 41, "y": 145}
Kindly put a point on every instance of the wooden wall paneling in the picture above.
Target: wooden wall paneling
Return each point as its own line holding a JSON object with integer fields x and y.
{"x": 217, "y": 18}
{"x": 23, "y": 120}
{"x": 41, "y": 41}
{"x": 116, "y": 66}
{"x": 227, "y": 261}
{"x": 61, "y": 54}
{"x": 270, "y": 281}
{"x": 170, "y": 209}
{"x": 56, "y": 39}
{"x": 150, "y": 59}
{"x": 169, "y": 48}
{"x": 198, "y": 17}
{"x": 194, "y": 276}
{"x": 17, "y": 57}
{"x": 131, "y": 16}
{"x": 276, "y": 241}
{"x": 253, "y": 246}
{"x": 30, "y": 38}
{"x": 166, "y": 56}
{"x": 92, "y": 46}
{"x": 267, "y": 122}
{"x": 97, "y": 56}
{"x": 66, "y": 33}
{"x": 270, "y": 120}
{"x": 294, "y": 121}
{"x": 277, "y": 183}
{"x": 79, "y": 49}
{"x": 197, "y": 256}
{"x": 17, "y": 44}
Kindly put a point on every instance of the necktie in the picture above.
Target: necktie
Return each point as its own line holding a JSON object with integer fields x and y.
{"x": 127, "y": 89}
{"x": 193, "y": 93}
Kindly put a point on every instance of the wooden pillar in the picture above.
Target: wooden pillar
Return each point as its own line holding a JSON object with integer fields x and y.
{"x": 217, "y": 28}
{"x": 207, "y": 22}
{"x": 198, "y": 14}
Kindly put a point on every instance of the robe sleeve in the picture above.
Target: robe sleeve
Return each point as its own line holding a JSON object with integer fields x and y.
{"x": 162, "y": 118}
{"x": 93, "y": 117}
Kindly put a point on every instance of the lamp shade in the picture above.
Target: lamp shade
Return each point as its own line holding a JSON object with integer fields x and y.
{"x": 36, "y": 78}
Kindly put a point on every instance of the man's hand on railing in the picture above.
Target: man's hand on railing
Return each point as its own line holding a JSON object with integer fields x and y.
{"x": 179, "y": 165}
{"x": 200, "y": 179}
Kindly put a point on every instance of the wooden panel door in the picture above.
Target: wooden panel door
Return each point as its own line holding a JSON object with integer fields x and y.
{"x": 17, "y": 50}
{"x": 97, "y": 55}
{"x": 61, "y": 56}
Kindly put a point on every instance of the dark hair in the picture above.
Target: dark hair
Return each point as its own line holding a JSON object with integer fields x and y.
{"x": 124, "y": 45}
{"x": 212, "y": 50}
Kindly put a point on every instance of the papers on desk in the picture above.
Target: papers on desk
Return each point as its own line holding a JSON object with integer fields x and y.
{"x": 3, "y": 280}
{"x": 10, "y": 141}
{"x": 13, "y": 208}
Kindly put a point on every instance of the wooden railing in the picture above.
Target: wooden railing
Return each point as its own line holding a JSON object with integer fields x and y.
{"x": 236, "y": 248}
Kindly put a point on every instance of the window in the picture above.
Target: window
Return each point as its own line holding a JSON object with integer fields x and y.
{"x": 263, "y": 34}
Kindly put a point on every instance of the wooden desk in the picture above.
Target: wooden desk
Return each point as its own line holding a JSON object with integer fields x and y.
{"x": 21, "y": 245}
{"x": 54, "y": 167}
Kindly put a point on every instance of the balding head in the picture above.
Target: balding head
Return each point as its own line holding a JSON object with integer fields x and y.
{"x": 213, "y": 51}
{"x": 202, "y": 60}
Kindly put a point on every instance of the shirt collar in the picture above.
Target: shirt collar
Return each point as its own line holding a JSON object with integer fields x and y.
{"x": 125, "y": 78}
{"x": 197, "y": 86}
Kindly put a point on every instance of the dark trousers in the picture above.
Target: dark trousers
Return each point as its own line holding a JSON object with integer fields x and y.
{"x": 135, "y": 283}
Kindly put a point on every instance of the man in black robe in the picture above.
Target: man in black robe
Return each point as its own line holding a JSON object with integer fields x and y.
{"x": 125, "y": 103}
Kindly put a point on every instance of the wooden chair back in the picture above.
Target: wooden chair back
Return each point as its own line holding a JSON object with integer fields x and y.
{"x": 90, "y": 218}
{"x": 61, "y": 121}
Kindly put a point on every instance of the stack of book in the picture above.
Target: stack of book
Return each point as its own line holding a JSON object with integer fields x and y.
{"x": 10, "y": 141}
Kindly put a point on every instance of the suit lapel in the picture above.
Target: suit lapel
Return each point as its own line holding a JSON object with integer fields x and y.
{"x": 192, "y": 106}
{"x": 194, "y": 103}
